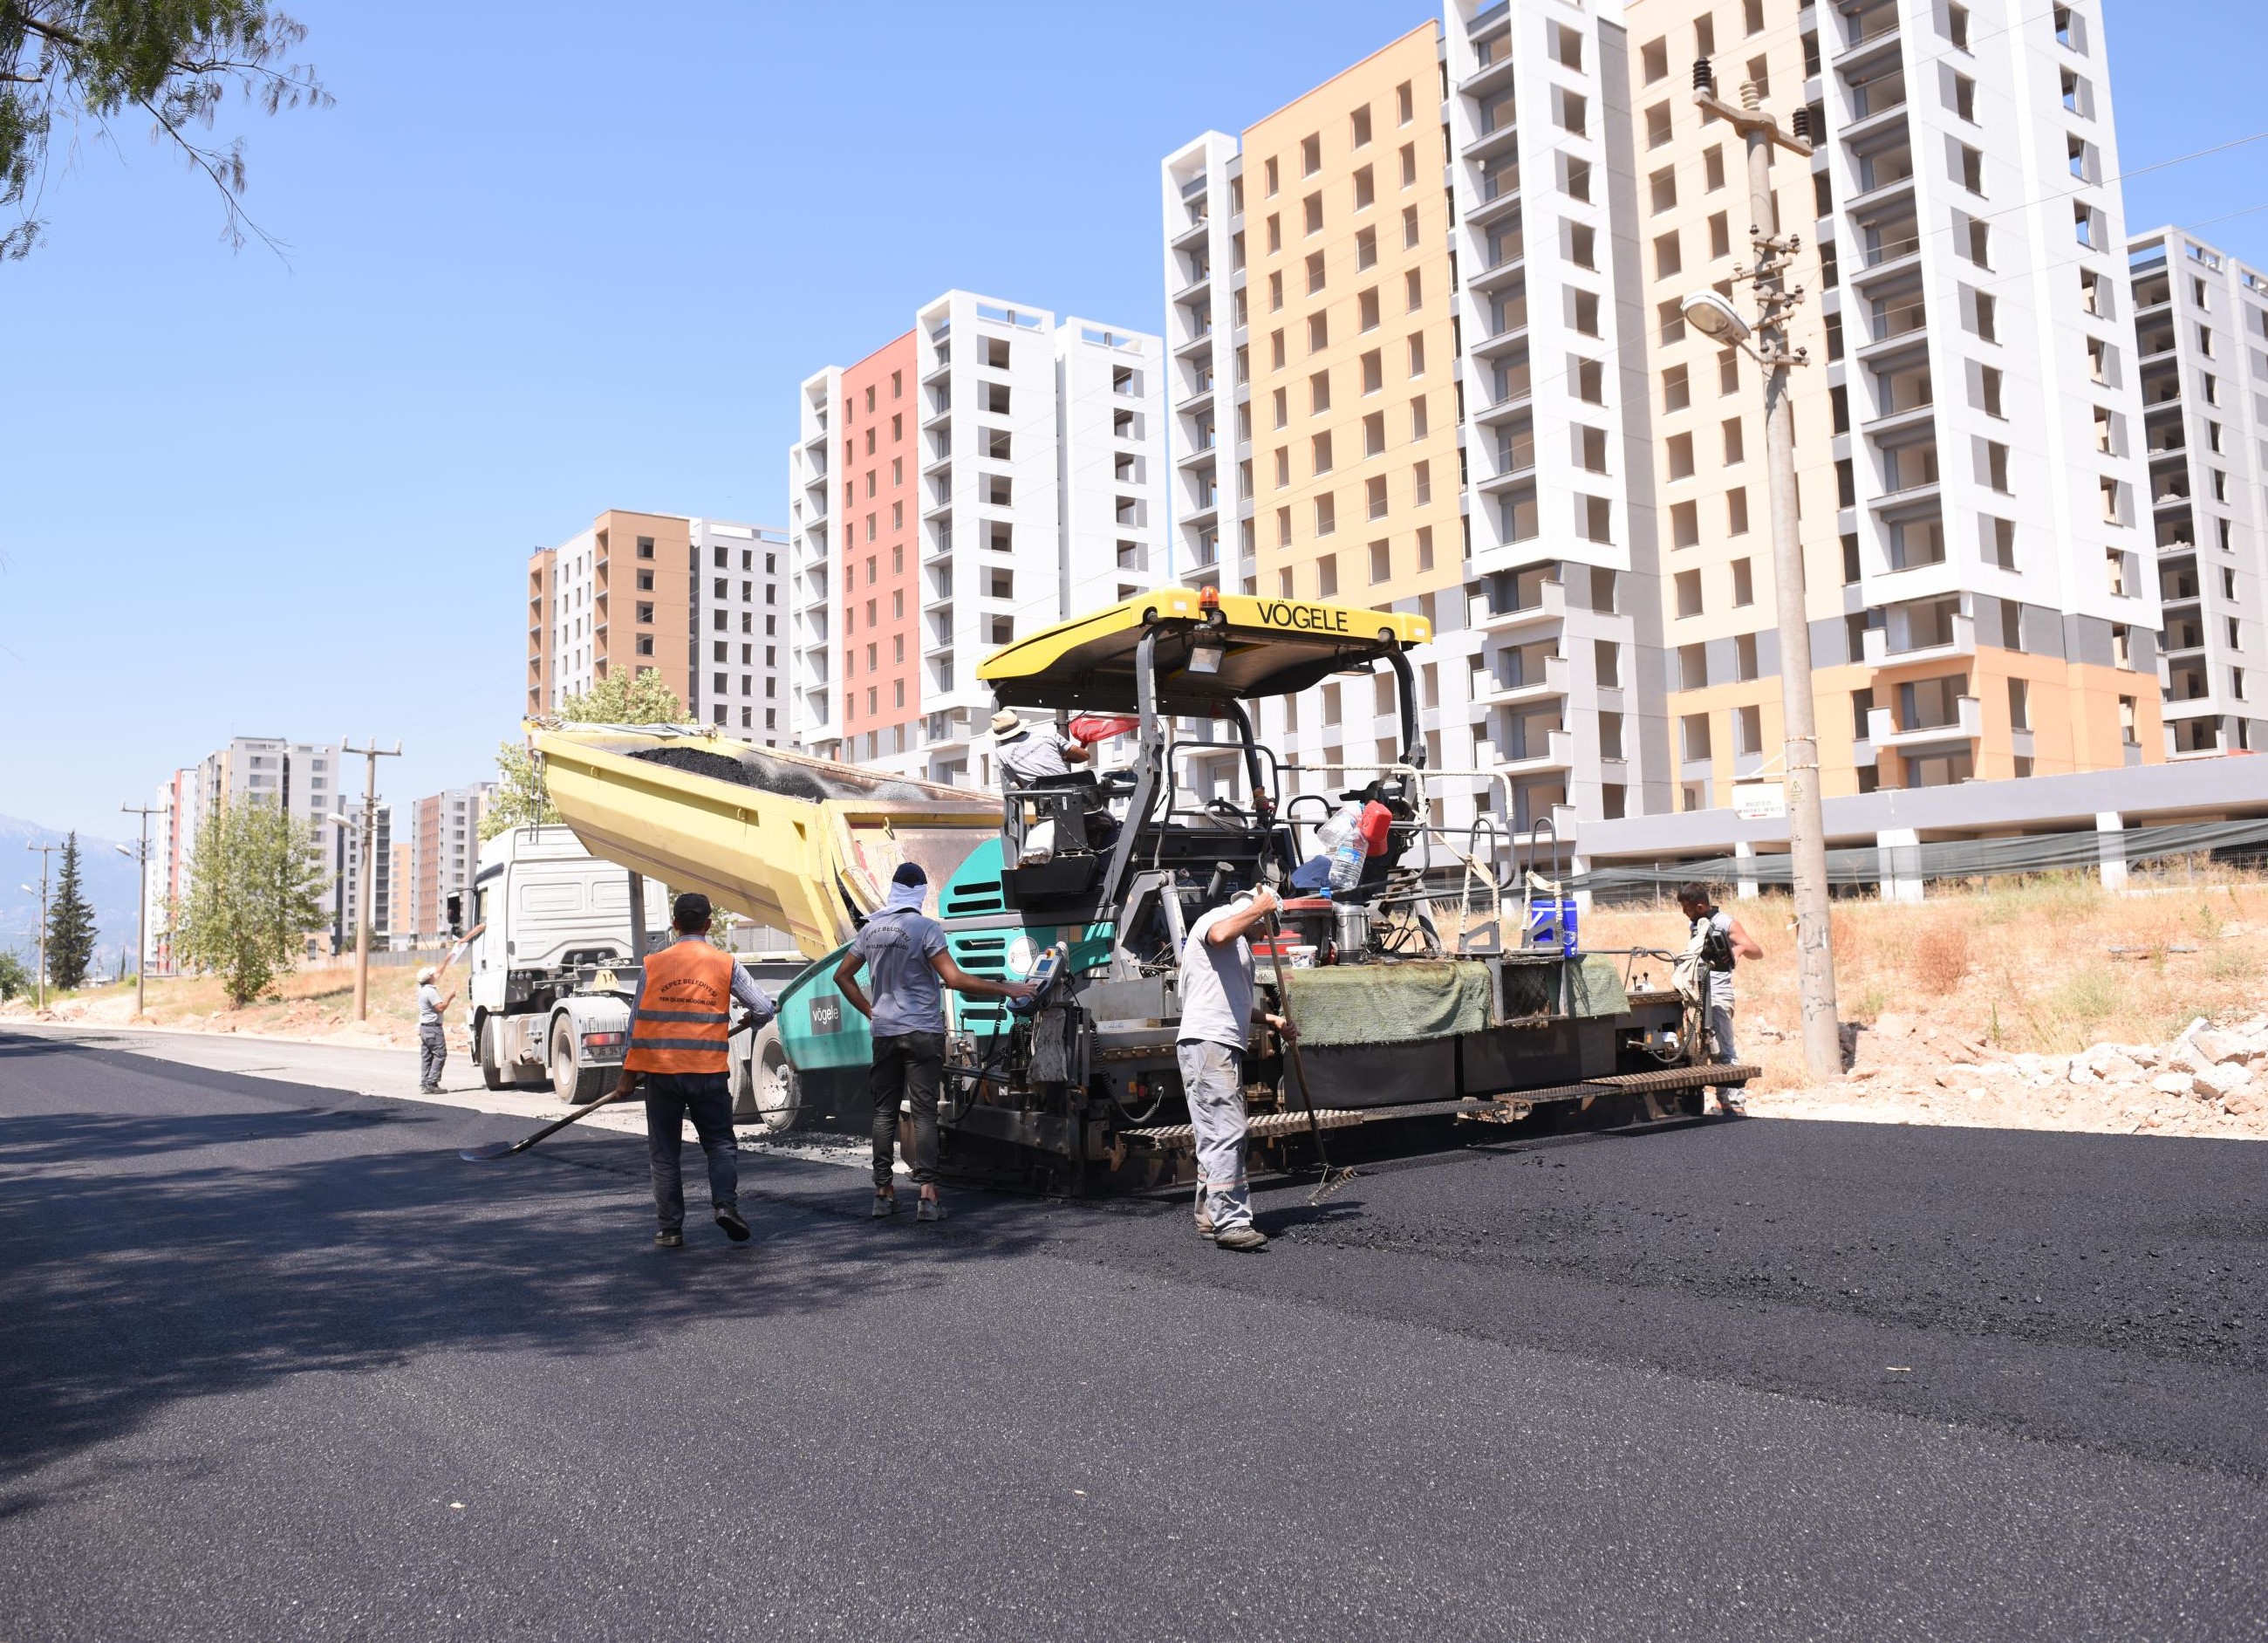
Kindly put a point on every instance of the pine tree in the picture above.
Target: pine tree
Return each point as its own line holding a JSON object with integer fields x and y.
{"x": 70, "y": 924}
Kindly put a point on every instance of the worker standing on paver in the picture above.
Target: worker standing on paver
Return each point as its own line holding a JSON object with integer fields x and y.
{"x": 905, "y": 951}
{"x": 1216, "y": 1027}
{"x": 1715, "y": 942}
{"x": 681, "y": 1026}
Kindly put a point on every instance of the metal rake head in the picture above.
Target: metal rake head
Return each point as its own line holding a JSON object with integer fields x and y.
{"x": 1332, "y": 1181}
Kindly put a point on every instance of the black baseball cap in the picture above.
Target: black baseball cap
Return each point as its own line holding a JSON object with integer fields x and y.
{"x": 689, "y": 912}
{"x": 910, "y": 873}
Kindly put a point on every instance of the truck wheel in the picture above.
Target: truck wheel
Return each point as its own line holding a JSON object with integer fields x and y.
{"x": 775, "y": 1091}
{"x": 492, "y": 1074}
{"x": 578, "y": 1086}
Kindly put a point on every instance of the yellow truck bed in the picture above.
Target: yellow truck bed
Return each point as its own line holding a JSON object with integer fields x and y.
{"x": 792, "y": 842}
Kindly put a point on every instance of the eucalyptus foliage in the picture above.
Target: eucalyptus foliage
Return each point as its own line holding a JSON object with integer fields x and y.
{"x": 83, "y": 64}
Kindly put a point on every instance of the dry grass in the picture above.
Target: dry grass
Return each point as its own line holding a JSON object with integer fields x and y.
{"x": 308, "y": 1001}
{"x": 2019, "y": 964}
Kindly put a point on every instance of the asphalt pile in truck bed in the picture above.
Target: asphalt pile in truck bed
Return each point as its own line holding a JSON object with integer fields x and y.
{"x": 773, "y": 776}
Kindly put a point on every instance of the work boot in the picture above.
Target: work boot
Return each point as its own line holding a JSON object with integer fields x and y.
{"x": 735, "y": 1228}
{"x": 929, "y": 1210}
{"x": 668, "y": 1238}
{"x": 1246, "y": 1237}
{"x": 1732, "y": 1104}
{"x": 886, "y": 1205}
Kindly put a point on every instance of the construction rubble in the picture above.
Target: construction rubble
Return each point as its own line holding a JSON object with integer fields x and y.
{"x": 2211, "y": 1079}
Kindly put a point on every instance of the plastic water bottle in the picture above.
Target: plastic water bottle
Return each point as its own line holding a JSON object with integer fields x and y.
{"x": 1347, "y": 862}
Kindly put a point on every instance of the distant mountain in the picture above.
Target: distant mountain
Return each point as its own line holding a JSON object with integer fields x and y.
{"x": 109, "y": 879}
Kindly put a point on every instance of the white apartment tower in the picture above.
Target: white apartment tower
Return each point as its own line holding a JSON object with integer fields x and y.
{"x": 2201, "y": 349}
{"x": 989, "y": 471}
{"x": 697, "y": 601}
{"x": 1582, "y": 510}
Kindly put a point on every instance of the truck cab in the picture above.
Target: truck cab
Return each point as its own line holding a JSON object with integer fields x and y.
{"x": 556, "y": 961}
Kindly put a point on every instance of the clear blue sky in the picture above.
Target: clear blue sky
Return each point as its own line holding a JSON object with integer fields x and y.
{"x": 550, "y": 260}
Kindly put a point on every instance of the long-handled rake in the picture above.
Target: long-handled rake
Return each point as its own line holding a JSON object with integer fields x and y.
{"x": 505, "y": 1149}
{"x": 1333, "y": 1179}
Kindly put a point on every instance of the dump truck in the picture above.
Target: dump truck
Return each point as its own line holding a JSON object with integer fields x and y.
{"x": 555, "y": 961}
{"x": 1412, "y": 999}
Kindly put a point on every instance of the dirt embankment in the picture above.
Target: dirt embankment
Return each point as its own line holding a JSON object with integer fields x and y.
{"x": 315, "y": 1006}
{"x": 2046, "y": 1003}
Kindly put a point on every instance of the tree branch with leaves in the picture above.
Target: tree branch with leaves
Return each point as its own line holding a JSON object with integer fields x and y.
{"x": 91, "y": 61}
{"x": 638, "y": 698}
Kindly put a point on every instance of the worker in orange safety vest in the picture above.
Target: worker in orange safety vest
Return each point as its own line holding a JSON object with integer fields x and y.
{"x": 680, "y": 1030}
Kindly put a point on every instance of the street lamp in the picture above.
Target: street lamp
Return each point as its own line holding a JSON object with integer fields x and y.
{"x": 1766, "y": 341}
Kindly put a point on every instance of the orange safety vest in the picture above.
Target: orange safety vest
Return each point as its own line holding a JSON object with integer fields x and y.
{"x": 684, "y": 1013}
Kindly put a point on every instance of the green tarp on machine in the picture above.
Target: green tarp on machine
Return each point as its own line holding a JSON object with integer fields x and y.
{"x": 1386, "y": 1004}
{"x": 1338, "y": 1006}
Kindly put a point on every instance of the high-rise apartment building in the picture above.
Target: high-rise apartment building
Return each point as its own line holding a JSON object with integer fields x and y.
{"x": 1398, "y": 433}
{"x": 989, "y": 471}
{"x": 165, "y": 871}
{"x": 1452, "y": 374}
{"x": 300, "y": 777}
{"x": 696, "y": 600}
{"x": 344, "y": 897}
{"x": 446, "y": 851}
{"x": 1969, "y": 482}
{"x": 2201, "y": 356}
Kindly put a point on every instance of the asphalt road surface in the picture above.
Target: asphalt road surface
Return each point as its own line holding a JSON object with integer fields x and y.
{"x": 275, "y": 1364}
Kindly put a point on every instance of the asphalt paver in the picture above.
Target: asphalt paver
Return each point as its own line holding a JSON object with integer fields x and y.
{"x": 275, "y": 1363}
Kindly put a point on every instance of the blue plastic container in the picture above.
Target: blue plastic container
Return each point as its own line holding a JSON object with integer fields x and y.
{"x": 1548, "y": 918}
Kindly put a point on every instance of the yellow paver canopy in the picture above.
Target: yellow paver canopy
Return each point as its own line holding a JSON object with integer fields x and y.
{"x": 1267, "y": 647}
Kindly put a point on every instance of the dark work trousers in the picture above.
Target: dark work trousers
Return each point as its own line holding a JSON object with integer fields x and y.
{"x": 708, "y": 1098}
{"x": 907, "y": 1066}
{"x": 433, "y": 1054}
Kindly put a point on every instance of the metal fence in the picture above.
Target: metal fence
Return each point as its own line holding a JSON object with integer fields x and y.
{"x": 1866, "y": 866}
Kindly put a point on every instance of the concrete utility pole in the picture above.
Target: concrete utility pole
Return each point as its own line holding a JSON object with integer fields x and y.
{"x": 141, "y": 908}
{"x": 1715, "y": 317}
{"x": 45, "y": 851}
{"x": 372, "y": 754}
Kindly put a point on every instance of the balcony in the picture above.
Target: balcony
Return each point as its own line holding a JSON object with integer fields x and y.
{"x": 1968, "y": 724}
{"x": 1921, "y": 641}
{"x": 1559, "y": 754}
{"x": 1488, "y": 144}
{"x": 1194, "y": 235}
{"x": 1499, "y": 198}
{"x": 1551, "y": 683}
{"x": 1511, "y": 263}
{"x": 1551, "y": 605}
{"x": 1515, "y": 460}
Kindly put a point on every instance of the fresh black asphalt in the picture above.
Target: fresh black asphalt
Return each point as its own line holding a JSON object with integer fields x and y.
{"x": 274, "y": 1363}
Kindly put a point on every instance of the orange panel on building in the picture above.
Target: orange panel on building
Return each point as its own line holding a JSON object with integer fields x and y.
{"x": 877, "y": 556}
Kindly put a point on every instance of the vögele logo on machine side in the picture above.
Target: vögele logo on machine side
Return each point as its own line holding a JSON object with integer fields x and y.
{"x": 1282, "y": 613}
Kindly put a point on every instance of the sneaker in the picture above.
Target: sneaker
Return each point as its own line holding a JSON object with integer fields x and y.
{"x": 735, "y": 1228}
{"x": 1244, "y": 1237}
{"x": 885, "y": 1206}
{"x": 929, "y": 1210}
{"x": 667, "y": 1239}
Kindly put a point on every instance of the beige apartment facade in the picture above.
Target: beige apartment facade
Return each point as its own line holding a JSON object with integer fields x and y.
{"x": 1965, "y": 427}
